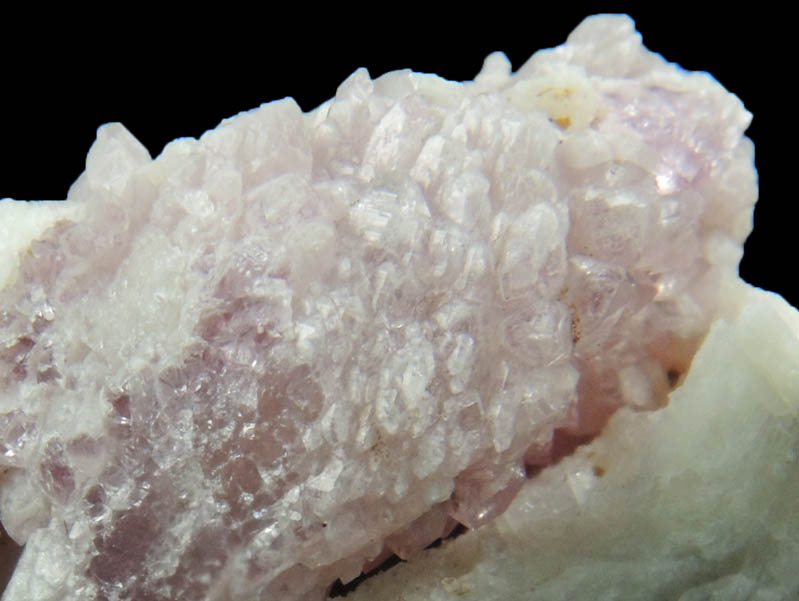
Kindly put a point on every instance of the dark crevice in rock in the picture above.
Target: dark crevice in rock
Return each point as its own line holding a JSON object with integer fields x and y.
{"x": 9, "y": 556}
{"x": 456, "y": 532}
{"x": 564, "y": 444}
{"x": 340, "y": 589}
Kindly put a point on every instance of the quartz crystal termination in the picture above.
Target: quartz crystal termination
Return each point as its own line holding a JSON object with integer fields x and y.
{"x": 275, "y": 355}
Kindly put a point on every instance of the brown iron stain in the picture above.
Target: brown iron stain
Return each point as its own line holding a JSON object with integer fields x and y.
{"x": 564, "y": 122}
{"x": 577, "y": 331}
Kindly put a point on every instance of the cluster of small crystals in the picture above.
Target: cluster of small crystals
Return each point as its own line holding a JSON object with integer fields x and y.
{"x": 274, "y": 356}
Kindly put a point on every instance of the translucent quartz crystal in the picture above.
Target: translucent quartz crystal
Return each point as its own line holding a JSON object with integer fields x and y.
{"x": 282, "y": 352}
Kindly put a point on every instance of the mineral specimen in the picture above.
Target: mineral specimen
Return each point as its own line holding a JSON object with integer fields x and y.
{"x": 697, "y": 501}
{"x": 274, "y": 356}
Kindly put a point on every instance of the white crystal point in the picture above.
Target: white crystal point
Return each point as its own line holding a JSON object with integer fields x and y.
{"x": 695, "y": 501}
{"x": 274, "y": 356}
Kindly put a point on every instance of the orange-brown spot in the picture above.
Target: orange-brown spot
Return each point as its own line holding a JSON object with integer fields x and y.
{"x": 599, "y": 471}
{"x": 564, "y": 122}
{"x": 675, "y": 354}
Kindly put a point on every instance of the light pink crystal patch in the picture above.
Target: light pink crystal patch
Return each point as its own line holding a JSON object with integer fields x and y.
{"x": 274, "y": 356}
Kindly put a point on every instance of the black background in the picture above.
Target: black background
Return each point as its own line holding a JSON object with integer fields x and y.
{"x": 63, "y": 75}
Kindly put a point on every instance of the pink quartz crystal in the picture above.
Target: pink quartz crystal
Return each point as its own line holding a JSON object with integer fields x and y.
{"x": 278, "y": 354}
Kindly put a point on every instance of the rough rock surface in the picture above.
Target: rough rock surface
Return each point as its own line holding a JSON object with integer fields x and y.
{"x": 275, "y": 355}
{"x": 695, "y": 502}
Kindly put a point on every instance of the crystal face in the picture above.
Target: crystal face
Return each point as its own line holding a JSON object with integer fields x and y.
{"x": 693, "y": 501}
{"x": 279, "y": 353}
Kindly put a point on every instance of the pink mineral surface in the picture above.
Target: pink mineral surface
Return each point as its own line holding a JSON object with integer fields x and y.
{"x": 277, "y": 355}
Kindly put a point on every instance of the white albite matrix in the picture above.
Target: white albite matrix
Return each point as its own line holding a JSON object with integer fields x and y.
{"x": 274, "y": 356}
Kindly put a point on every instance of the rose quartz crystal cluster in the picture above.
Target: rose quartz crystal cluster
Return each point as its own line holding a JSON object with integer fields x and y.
{"x": 274, "y": 356}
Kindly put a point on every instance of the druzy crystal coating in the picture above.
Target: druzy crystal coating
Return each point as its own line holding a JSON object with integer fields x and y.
{"x": 273, "y": 356}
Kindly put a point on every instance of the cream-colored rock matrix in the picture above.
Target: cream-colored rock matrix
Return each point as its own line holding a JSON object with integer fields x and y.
{"x": 272, "y": 357}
